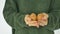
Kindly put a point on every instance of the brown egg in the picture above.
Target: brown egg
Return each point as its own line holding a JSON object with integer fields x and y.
{"x": 33, "y": 16}
{"x": 42, "y": 16}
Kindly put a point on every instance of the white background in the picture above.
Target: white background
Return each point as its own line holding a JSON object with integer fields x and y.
{"x": 4, "y": 27}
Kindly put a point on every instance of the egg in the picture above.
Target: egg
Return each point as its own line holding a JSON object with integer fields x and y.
{"x": 33, "y": 16}
{"x": 42, "y": 17}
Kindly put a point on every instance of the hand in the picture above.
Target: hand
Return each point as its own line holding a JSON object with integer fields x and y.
{"x": 30, "y": 22}
{"x": 43, "y": 22}
{"x": 34, "y": 23}
{"x": 42, "y": 19}
{"x": 39, "y": 20}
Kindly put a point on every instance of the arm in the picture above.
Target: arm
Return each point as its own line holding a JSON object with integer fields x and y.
{"x": 54, "y": 16}
{"x": 54, "y": 20}
{"x": 12, "y": 16}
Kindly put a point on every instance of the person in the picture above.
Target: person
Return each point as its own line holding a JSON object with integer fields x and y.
{"x": 32, "y": 16}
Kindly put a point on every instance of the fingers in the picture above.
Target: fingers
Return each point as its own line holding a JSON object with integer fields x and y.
{"x": 34, "y": 23}
{"x": 42, "y": 23}
{"x": 27, "y": 19}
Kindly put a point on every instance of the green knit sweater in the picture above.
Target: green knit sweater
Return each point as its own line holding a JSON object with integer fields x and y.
{"x": 15, "y": 11}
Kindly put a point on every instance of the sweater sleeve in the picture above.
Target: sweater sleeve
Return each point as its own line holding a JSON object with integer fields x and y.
{"x": 54, "y": 20}
{"x": 12, "y": 16}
